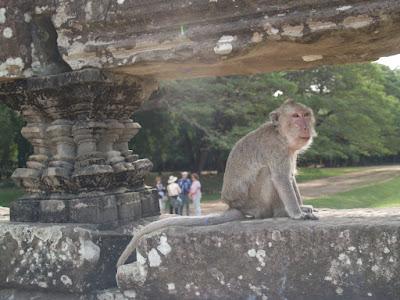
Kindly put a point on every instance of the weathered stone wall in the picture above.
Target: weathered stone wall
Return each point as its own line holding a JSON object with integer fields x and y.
{"x": 58, "y": 258}
{"x": 346, "y": 255}
{"x": 189, "y": 38}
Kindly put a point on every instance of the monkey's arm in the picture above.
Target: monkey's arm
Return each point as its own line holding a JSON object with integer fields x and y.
{"x": 296, "y": 190}
{"x": 282, "y": 180}
{"x": 309, "y": 209}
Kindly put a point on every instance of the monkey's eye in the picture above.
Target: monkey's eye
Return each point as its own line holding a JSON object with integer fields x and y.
{"x": 307, "y": 114}
{"x": 296, "y": 115}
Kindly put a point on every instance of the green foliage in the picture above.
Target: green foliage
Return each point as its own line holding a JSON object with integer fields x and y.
{"x": 224, "y": 109}
{"x": 9, "y": 194}
{"x": 384, "y": 194}
{"x": 357, "y": 109}
{"x": 10, "y": 127}
{"x": 356, "y": 114}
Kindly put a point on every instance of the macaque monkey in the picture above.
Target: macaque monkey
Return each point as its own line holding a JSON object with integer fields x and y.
{"x": 259, "y": 180}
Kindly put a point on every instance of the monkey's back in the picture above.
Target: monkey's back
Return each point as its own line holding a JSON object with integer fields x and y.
{"x": 245, "y": 161}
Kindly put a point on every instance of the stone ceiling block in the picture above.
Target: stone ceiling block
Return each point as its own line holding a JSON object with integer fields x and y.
{"x": 192, "y": 38}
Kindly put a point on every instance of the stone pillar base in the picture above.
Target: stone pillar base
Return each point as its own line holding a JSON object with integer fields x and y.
{"x": 107, "y": 209}
{"x": 81, "y": 169}
{"x": 60, "y": 261}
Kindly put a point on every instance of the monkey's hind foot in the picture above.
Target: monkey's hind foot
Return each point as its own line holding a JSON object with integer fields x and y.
{"x": 310, "y": 216}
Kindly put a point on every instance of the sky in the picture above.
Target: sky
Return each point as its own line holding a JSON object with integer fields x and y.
{"x": 392, "y": 62}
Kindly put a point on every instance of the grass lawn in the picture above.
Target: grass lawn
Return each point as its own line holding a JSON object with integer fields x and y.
{"x": 384, "y": 194}
{"x": 8, "y": 194}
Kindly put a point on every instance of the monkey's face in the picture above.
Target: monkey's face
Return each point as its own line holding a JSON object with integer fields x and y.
{"x": 297, "y": 124}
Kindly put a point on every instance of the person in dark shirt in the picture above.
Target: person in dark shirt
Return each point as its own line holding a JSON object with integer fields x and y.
{"x": 184, "y": 184}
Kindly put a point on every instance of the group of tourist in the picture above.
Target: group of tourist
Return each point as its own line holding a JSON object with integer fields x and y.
{"x": 179, "y": 193}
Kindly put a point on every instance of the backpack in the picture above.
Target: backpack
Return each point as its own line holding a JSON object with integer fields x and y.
{"x": 185, "y": 184}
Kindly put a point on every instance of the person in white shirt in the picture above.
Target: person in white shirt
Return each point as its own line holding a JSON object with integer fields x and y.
{"x": 195, "y": 193}
{"x": 173, "y": 191}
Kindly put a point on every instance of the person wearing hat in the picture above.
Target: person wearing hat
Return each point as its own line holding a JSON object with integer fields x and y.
{"x": 173, "y": 191}
{"x": 184, "y": 184}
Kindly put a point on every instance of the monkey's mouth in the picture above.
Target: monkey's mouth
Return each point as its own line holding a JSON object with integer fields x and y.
{"x": 306, "y": 138}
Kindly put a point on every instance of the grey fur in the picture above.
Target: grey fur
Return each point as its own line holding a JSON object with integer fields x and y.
{"x": 259, "y": 177}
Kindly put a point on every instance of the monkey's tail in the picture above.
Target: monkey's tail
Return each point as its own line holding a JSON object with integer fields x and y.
{"x": 213, "y": 219}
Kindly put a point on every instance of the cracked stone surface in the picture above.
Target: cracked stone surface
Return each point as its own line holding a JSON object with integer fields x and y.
{"x": 107, "y": 294}
{"x": 58, "y": 258}
{"x": 191, "y": 38}
{"x": 347, "y": 254}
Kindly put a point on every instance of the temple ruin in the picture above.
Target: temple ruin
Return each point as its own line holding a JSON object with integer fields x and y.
{"x": 77, "y": 70}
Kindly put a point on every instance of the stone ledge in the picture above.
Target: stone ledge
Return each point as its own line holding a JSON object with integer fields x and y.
{"x": 109, "y": 294}
{"x": 348, "y": 254}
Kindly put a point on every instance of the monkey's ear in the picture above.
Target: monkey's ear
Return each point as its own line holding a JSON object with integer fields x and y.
{"x": 274, "y": 117}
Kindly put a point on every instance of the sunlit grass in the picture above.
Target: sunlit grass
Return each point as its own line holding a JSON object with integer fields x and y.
{"x": 384, "y": 194}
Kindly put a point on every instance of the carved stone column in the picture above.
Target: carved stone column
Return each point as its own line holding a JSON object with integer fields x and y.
{"x": 35, "y": 132}
{"x": 91, "y": 170}
{"x": 82, "y": 170}
{"x": 130, "y": 129}
{"x": 57, "y": 177}
{"x": 107, "y": 146}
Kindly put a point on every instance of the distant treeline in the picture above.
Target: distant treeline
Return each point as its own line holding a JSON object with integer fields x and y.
{"x": 193, "y": 124}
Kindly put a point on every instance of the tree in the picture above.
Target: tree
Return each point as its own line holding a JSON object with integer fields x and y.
{"x": 212, "y": 114}
{"x": 11, "y": 142}
{"x": 356, "y": 116}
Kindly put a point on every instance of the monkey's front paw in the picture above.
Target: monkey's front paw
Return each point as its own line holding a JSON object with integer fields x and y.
{"x": 308, "y": 209}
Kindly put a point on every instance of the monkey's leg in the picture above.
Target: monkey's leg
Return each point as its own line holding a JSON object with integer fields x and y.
{"x": 259, "y": 201}
{"x": 287, "y": 195}
{"x": 269, "y": 199}
{"x": 283, "y": 185}
{"x": 296, "y": 190}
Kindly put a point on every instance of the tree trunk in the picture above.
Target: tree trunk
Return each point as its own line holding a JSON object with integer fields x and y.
{"x": 202, "y": 160}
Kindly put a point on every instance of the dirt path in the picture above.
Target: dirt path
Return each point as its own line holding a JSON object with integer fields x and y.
{"x": 333, "y": 185}
{"x": 329, "y": 186}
